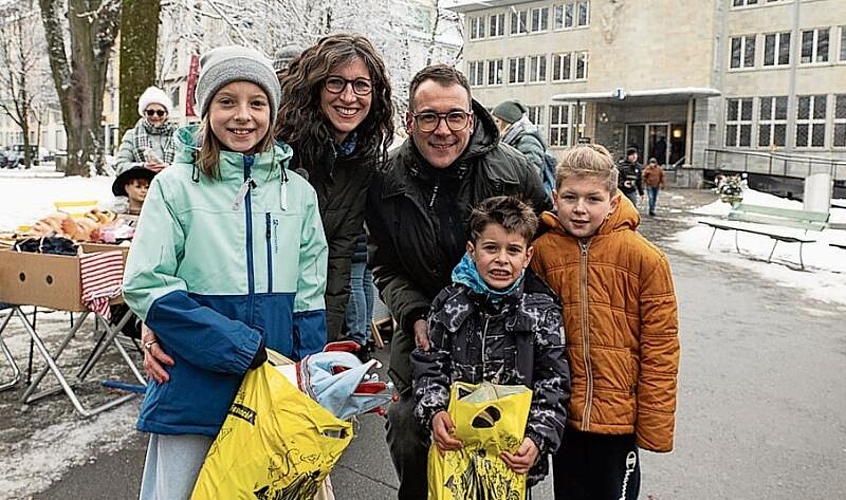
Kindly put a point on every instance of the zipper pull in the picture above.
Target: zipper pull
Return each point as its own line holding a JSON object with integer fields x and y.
{"x": 242, "y": 193}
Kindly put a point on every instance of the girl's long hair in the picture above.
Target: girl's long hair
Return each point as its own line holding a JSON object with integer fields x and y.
{"x": 208, "y": 157}
{"x": 301, "y": 121}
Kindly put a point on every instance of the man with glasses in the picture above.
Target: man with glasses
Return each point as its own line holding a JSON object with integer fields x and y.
{"x": 148, "y": 144}
{"x": 417, "y": 216}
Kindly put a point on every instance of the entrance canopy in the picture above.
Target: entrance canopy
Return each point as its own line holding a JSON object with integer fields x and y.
{"x": 637, "y": 97}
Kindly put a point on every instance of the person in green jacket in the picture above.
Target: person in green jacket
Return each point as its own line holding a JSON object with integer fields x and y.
{"x": 229, "y": 256}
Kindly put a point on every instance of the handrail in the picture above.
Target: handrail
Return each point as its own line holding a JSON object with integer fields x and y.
{"x": 779, "y": 164}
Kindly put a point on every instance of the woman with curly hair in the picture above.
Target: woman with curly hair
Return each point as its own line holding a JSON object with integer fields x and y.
{"x": 337, "y": 115}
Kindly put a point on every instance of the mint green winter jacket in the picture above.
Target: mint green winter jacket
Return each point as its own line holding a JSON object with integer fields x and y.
{"x": 218, "y": 268}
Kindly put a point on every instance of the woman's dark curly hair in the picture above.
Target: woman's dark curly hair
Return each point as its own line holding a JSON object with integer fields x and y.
{"x": 301, "y": 121}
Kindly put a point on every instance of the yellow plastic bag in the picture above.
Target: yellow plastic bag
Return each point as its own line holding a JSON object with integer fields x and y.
{"x": 489, "y": 419}
{"x": 276, "y": 443}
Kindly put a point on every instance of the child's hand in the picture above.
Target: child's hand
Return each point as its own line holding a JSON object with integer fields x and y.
{"x": 442, "y": 429}
{"x": 523, "y": 459}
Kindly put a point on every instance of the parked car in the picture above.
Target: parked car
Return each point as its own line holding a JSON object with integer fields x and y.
{"x": 15, "y": 155}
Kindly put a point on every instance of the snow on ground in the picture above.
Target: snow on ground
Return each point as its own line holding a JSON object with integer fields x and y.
{"x": 824, "y": 277}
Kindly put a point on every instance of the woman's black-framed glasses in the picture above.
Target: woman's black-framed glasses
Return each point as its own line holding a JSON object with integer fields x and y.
{"x": 456, "y": 121}
{"x": 336, "y": 85}
{"x": 155, "y": 112}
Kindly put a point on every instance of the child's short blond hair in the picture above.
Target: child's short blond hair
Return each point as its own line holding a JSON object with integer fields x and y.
{"x": 587, "y": 160}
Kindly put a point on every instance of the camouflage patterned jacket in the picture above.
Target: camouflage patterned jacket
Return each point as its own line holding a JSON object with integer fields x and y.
{"x": 518, "y": 340}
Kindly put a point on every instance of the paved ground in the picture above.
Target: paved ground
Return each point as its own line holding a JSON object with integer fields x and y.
{"x": 762, "y": 404}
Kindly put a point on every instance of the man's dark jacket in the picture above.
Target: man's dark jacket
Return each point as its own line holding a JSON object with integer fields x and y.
{"x": 417, "y": 223}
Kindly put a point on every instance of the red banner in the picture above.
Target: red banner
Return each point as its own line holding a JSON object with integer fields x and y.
{"x": 193, "y": 74}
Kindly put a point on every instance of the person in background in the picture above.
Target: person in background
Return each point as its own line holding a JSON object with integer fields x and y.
{"x": 622, "y": 330}
{"x": 283, "y": 58}
{"x": 150, "y": 143}
{"x": 229, "y": 256}
{"x": 630, "y": 177}
{"x": 498, "y": 323}
{"x": 130, "y": 187}
{"x": 417, "y": 217}
{"x": 517, "y": 131}
{"x": 653, "y": 178}
{"x": 337, "y": 114}
{"x": 359, "y": 313}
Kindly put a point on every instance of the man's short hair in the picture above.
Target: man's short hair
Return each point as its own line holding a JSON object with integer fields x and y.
{"x": 631, "y": 151}
{"x": 441, "y": 73}
{"x": 513, "y": 214}
{"x": 587, "y": 161}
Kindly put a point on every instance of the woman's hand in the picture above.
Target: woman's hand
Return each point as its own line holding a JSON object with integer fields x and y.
{"x": 523, "y": 459}
{"x": 442, "y": 429}
{"x": 154, "y": 356}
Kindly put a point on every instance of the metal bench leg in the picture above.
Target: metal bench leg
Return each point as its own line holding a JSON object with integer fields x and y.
{"x": 736, "y": 246}
{"x": 713, "y": 233}
{"x": 770, "y": 258}
{"x": 801, "y": 262}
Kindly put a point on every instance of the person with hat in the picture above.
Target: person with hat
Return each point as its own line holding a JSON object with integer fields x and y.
{"x": 149, "y": 143}
{"x": 130, "y": 187}
{"x": 630, "y": 181}
{"x": 519, "y": 132}
{"x": 229, "y": 256}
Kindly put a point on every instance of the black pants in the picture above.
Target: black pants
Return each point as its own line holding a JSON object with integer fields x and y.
{"x": 596, "y": 467}
{"x": 408, "y": 443}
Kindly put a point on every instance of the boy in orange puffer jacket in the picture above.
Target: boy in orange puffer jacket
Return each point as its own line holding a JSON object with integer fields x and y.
{"x": 621, "y": 324}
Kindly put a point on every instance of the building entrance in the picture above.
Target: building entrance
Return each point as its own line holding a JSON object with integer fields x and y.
{"x": 663, "y": 141}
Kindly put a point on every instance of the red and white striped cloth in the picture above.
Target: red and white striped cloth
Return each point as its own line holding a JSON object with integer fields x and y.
{"x": 101, "y": 274}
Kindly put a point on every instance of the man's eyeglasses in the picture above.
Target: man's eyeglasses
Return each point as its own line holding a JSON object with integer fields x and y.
{"x": 336, "y": 85}
{"x": 456, "y": 121}
{"x": 155, "y": 112}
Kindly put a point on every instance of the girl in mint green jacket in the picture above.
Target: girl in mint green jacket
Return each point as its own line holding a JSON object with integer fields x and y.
{"x": 229, "y": 257}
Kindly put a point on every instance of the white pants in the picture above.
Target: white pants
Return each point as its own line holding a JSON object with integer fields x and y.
{"x": 172, "y": 465}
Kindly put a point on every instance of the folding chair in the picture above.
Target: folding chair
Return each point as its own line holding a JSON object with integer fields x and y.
{"x": 75, "y": 209}
{"x": 16, "y": 372}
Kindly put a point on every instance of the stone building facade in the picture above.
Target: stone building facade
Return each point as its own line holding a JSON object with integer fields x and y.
{"x": 695, "y": 84}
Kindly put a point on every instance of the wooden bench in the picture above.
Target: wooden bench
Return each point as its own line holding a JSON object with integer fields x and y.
{"x": 780, "y": 224}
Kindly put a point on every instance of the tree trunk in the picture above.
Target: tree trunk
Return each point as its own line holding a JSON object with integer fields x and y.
{"x": 139, "y": 28}
{"x": 80, "y": 82}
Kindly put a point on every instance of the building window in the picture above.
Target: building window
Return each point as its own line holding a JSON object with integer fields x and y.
{"x": 539, "y": 19}
{"x": 535, "y": 115}
{"x": 742, "y": 3}
{"x": 537, "y": 68}
{"x": 476, "y": 73}
{"x": 570, "y": 14}
{"x": 843, "y": 43}
{"x": 814, "y": 46}
{"x": 739, "y": 122}
{"x": 495, "y": 72}
{"x": 477, "y": 28}
{"x": 559, "y": 125}
{"x": 519, "y": 22}
{"x": 777, "y": 49}
{"x": 743, "y": 51}
{"x": 810, "y": 121}
{"x": 561, "y": 64}
{"x": 839, "y": 140}
{"x": 517, "y": 70}
{"x": 496, "y": 25}
{"x": 772, "y": 122}
{"x": 581, "y": 65}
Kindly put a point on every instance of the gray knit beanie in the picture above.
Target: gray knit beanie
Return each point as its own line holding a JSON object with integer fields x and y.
{"x": 509, "y": 111}
{"x": 224, "y": 65}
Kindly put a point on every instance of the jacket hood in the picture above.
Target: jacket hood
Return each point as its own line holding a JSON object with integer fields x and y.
{"x": 522, "y": 127}
{"x": 626, "y": 217}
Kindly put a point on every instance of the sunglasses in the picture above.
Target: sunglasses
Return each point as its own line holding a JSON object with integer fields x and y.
{"x": 155, "y": 112}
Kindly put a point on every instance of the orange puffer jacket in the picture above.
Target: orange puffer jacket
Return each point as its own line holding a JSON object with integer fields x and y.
{"x": 621, "y": 322}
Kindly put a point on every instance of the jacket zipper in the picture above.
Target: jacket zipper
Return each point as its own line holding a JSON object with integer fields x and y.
{"x": 269, "y": 248}
{"x": 583, "y": 298}
{"x": 248, "y": 213}
{"x": 484, "y": 351}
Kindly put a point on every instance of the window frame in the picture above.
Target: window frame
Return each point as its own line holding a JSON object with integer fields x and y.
{"x": 811, "y": 122}
{"x": 560, "y": 56}
{"x": 536, "y": 68}
{"x": 477, "y": 27}
{"x": 816, "y": 56}
{"x": 521, "y": 23}
{"x": 743, "y": 51}
{"x": 476, "y": 75}
{"x": 738, "y": 122}
{"x": 542, "y": 18}
{"x": 838, "y": 123}
{"x": 772, "y": 122}
{"x": 780, "y": 38}
{"x": 521, "y": 64}
{"x": 500, "y": 25}
{"x": 500, "y": 76}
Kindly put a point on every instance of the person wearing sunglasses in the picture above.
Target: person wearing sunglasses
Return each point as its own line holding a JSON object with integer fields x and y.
{"x": 417, "y": 221}
{"x": 149, "y": 143}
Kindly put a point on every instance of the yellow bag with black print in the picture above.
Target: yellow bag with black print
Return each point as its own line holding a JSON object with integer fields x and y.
{"x": 276, "y": 443}
{"x": 489, "y": 419}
